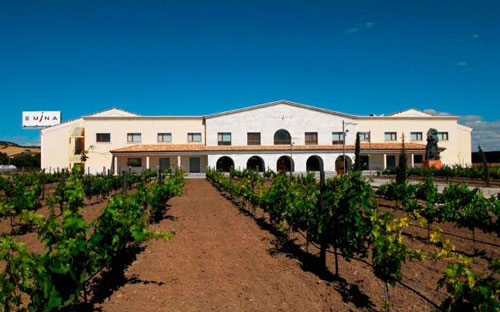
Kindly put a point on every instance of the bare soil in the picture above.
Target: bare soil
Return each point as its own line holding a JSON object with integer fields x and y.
{"x": 224, "y": 259}
{"x": 221, "y": 258}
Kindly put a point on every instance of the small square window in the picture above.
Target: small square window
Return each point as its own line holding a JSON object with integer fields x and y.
{"x": 103, "y": 137}
{"x": 364, "y": 136}
{"x": 165, "y": 137}
{"x": 337, "y": 138}
{"x": 311, "y": 138}
{"x": 134, "y": 162}
{"x": 133, "y": 137}
{"x": 224, "y": 138}
{"x": 391, "y": 136}
{"x": 194, "y": 137}
{"x": 443, "y": 136}
{"x": 253, "y": 138}
{"x": 416, "y": 136}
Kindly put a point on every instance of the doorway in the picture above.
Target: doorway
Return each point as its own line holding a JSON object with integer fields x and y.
{"x": 164, "y": 164}
{"x": 194, "y": 165}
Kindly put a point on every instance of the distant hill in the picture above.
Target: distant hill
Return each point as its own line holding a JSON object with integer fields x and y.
{"x": 13, "y": 149}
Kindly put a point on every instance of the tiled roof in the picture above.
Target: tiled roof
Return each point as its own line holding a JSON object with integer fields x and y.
{"x": 205, "y": 148}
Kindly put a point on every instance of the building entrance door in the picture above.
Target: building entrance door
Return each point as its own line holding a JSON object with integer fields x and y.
{"x": 194, "y": 165}
{"x": 164, "y": 164}
{"x": 391, "y": 161}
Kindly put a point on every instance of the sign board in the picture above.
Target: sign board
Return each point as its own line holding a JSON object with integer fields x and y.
{"x": 41, "y": 119}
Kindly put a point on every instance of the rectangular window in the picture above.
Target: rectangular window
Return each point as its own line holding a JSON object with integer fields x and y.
{"x": 224, "y": 138}
{"x": 364, "y": 136}
{"x": 311, "y": 138}
{"x": 194, "y": 137}
{"x": 79, "y": 144}
{"x": 165, "y": 137}
{"x": 337, "y": 138}
{"x": 133, "y": 137}
{"x": 418, "y": 159}
{"x": 416, "y": 136}
{"x": 391, "y": 136}
{"x": 134, "y": 162}
{"x": 443, "y": 136}
{"x": 103, "y": 137}
{"x": 253, "y": 138}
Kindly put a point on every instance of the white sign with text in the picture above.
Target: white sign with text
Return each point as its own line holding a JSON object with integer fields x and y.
{"x": 41, "y": 119}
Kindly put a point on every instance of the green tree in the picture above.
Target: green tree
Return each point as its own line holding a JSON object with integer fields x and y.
{"x": 357, "y": 157}
{"x": 401, "y": 171}
{"x": 4, "y": 159}
{"x": 26, "y": 160}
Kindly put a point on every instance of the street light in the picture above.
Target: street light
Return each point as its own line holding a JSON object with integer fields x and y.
{"x": 292, "y": 143}
{"x": 343, "y": 139}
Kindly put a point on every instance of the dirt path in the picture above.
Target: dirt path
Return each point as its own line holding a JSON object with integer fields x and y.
{"x": 219, "y": 260}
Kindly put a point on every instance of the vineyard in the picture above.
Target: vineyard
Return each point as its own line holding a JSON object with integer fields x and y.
{"x": 344, "y": 216}
{"x": 63, "y": 234}
{"x": 72, "y": 250}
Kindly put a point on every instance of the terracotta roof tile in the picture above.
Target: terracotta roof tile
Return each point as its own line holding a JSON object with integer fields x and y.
{"x": 205, "y": 148}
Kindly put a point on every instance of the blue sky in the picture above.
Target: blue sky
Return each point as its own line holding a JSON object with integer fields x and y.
{"x": 197, "y": 57}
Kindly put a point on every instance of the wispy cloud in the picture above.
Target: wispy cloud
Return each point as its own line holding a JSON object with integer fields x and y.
{"x": 472, "y": 37}
{"x": 359, "y": 27}
{"x": 484, "y": 133}
{"x": 462, "y": 64}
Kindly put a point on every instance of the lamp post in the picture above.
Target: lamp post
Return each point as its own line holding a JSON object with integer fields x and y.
{"x": 369, "y": 151}
{"x": 343, "y": 140}
{"x": 292, "y": 143}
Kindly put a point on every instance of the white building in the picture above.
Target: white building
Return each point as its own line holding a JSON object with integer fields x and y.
{"x": 276, "y": 135}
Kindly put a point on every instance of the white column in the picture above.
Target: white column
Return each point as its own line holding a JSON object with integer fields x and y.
{"x": 413, "y": 160}
{"x": 115, "y": 160}
{"x": 147, "y": 162}
{"x": 179, "y": 165}
{"x": 385, "y": 161}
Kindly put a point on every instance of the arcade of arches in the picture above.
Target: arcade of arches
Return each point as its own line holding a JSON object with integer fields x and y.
{"x": 283, "y": 164}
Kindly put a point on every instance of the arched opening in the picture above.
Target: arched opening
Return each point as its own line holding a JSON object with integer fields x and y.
{"x": 255, "y": 163}
{"x": 284, "y": 164}
{"x": 282, "y": 137}
{"x": 339, "y": 164}
{"x": 224, "y": 164}
{"x": 314, "y": 163}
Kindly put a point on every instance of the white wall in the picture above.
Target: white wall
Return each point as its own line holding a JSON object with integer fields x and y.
{"x": 268, "y": 120}
{"x": 55, "y": 149}
{"x": 458, "y": 146}
{"x": 270, "y": 159}
{"x": 99, "y": 154}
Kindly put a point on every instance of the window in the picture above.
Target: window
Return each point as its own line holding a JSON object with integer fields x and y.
{"x": 391, "y": 136}
{"x": 364, "y": 136}
{"x": 134, "y": 162}
{"x": 337, "y": 138}
{"x": 418, "y": 159}
{"x": 443, "y": 136}
{"x": 224, "y": 138}
{"x": 103, "y": 137}
{"x": 133, "y": 137}
{"x": 194, "y": 137}
{"x": 311, "y": 138}
{"x": 253, "y": 138}
{"x": 164, "y": 137}
{"x": 416, "y": 136}
{"x": 79, "y": 144}
{"x": 282, "y": 137}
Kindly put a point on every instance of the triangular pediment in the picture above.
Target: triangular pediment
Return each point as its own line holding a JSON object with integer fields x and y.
{"x": 412, "y": 112}
{"x": 113, "y": 112}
